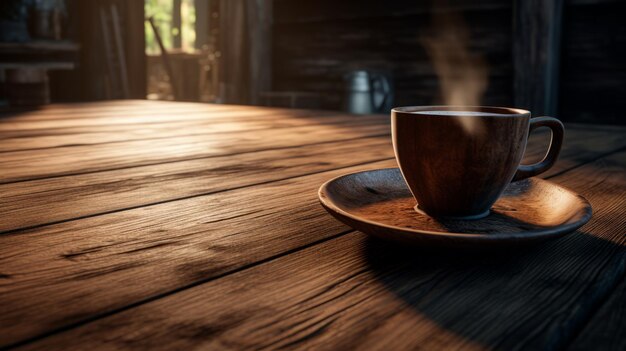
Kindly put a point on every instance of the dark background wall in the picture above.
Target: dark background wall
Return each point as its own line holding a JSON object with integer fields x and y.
{"x": 315, "y": 42}
{"x": 593, "y": 65}
{"x": 87, "y": 81}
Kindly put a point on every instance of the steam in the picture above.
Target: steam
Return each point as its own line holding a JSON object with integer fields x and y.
{"x": 462, "y": 75}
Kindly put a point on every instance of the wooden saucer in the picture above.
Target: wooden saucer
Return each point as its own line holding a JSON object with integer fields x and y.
{"x": 379, "y": 203}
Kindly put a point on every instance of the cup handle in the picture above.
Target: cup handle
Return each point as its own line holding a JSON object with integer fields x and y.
{"x": 526, "y": 171}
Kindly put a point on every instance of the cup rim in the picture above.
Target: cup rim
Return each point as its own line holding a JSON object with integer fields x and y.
{"x": 488, "y": 111}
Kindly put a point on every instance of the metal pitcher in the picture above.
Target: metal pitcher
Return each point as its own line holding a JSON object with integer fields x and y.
{"x": 367, "y": 92}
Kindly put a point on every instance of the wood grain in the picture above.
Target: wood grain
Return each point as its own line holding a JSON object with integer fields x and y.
{"x": 58, "y": 276}
{"x": 94, "y": 193}
{"x": 37, "y": 164}
{"x": 607, "y": 325}
{"x": 181, "y": 242}
{"x": 145, "y": 116}
{"x": 95, "y": 265}
{"x": 18, "y": 140}
{"x": 89, "y": 194}
{"x": 149, "y": 116}
{"x": 352, "y": 292}
{"x": 78, "y": 109}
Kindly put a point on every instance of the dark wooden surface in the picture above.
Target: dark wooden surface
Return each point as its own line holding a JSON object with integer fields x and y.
{"x": 158, "y": 225}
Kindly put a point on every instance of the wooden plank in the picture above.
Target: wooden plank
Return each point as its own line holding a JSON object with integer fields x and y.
{"x": 137, "y": 111}
{"x": 536, "y": 54}
{"x": 115, "y": 128}
{"x": 72, "y": 109}
{"x": 582, "y": 145}
{"x": 24, "y": 130}
{"x": 180, "y": 242}
{"x": 606, "y": 127}
{"x": 354, "y": 292}
{"x": 111, "y": 117}
{"x": 152, "y": 250}
{"x": 95, "y": 193}
{"x": 39, "y": 164}
{"x": 606, "y": 329}
{"x": 111, "y": 107}
{"x": 112, "y": 120}
{"x": 28, "y": 139}
{"x": 28, "y": 204}
{"x": 157, "y": 120}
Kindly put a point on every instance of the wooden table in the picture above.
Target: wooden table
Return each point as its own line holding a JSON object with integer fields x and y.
{"x": 156, "y": 225}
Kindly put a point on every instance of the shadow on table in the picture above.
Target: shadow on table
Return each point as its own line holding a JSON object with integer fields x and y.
{"x": 539, "y": 295}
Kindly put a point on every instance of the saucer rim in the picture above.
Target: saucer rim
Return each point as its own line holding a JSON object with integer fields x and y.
{"x": 530, "y": 234}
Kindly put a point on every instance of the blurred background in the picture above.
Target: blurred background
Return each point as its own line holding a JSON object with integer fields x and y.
{"x": 565, "y": 58}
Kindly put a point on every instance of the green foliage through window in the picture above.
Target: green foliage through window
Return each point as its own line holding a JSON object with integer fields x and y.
{"x": 162, "y": 11}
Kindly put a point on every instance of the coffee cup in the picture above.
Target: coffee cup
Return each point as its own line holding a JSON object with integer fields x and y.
{"x": 457, "y": 160}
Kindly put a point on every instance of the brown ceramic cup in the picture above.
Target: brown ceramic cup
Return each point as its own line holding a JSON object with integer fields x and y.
{"x": 457, "y": 161}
